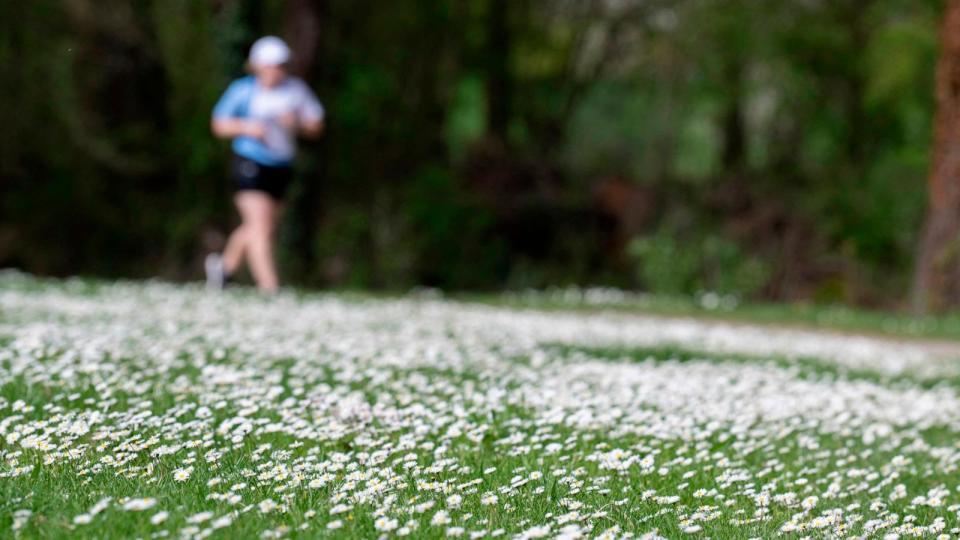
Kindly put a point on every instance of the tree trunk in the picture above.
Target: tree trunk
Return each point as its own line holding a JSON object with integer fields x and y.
{"x": 937, "y": 277}
{"x": 302, "y": 30}
{"x": 498, "y": 68}
{"x": 734, "y": 131}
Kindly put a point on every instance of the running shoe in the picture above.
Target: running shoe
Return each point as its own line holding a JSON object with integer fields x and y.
{"x": 213, "y": 266}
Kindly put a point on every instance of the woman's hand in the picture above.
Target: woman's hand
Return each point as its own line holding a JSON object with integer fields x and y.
{"x": 311, "y": 129}
{"x": 305, "y": 127}
{"x": 255, "y": 129}
{"x": 288, "y": 121}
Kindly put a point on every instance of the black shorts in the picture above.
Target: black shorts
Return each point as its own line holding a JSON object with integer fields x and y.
{"x": 250, "y": 175}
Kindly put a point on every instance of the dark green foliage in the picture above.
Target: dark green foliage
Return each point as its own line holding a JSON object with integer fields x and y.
{"x": 777, "y": 149}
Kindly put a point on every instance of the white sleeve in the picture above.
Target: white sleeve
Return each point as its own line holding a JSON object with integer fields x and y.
{"x": 310, "y": 107}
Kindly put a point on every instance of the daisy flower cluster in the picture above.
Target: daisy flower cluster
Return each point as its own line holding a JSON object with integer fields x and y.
{"x": 149, "y": 410}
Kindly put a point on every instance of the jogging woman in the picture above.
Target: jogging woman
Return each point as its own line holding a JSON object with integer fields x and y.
{"x": 263, "y": 113}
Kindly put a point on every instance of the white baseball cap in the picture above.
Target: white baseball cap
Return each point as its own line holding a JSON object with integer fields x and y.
{"x": 269, "y": 51}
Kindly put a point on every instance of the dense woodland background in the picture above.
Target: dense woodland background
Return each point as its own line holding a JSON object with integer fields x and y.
{"x": 775, "y": 150}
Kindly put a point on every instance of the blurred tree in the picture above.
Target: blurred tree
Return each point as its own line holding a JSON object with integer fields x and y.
{"x": 302, "y": 28}
{"x": 484, "y": 143}
{"x": 937, "y": 281}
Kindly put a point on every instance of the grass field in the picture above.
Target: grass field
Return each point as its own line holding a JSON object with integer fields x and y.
{"x": 148, "y": 410}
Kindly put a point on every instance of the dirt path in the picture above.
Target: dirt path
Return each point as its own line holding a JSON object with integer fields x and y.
{"x": 920, "y": 358}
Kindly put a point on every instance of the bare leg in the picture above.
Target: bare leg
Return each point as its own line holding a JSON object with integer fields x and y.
{"x": 235, "y": 249}
{"x": 260, "y": 213}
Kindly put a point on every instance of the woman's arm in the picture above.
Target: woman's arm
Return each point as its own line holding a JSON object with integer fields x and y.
{"x": 308, "y": 128}
{"x": 311, "y": 128}
{"x": 310, "y": 114}
{"x": 229, "y": 128}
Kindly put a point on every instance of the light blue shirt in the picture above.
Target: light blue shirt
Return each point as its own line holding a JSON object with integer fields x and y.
{"x": 245, "y": 98}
